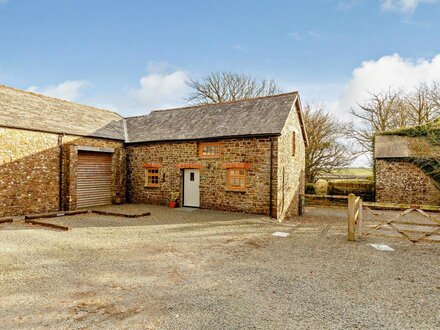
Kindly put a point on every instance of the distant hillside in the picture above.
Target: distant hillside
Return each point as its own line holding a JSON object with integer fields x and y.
{"x": 350, "y": 173}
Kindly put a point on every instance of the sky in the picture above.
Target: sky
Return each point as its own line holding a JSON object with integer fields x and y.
{"x": 135, "y": 56}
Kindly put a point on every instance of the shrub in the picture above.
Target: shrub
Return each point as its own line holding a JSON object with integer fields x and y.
{"x": 321, "y": 187}
{"x": 310, "y": 189}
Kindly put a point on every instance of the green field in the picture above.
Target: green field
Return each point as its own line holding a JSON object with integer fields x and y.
{"x": 360, "y": 172}
{"x": 349, "y": 175}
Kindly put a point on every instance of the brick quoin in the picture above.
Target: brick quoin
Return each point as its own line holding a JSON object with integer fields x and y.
{"x": 245, "y": 166}
{"x": 189, "y": 166}
{"x": 152, "y": 165}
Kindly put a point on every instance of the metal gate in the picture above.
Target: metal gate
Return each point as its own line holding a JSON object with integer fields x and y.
{"x": 94, "y": 179}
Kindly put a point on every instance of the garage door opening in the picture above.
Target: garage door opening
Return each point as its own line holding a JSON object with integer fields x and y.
{"x": 94, "y": 179}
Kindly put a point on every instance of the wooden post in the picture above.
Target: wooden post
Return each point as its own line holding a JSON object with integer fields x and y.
{"x": 351, "y": 217}
{"x": 360, "y": 219}
{"x": 301, "y": 204}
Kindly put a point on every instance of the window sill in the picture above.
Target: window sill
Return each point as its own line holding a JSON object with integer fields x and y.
{"x": 210, "y": 157}
{"x": 236, "y": 191}
{"x": 151, "y": 187}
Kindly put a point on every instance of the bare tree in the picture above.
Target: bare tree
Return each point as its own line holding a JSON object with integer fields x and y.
{"x": 423, "y": 104}
{"x": 219, "y": 87}
{"x": 434, "y": 94}
{"x": 393, "y": 109}
{"x": 326, "y": 151}
{"x": 383, "y": 111}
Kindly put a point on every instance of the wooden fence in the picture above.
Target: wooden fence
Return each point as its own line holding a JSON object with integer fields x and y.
{"x": 323, "y": 200}
{"x": 413, "y": 222}
{"x": 396, "y": 223}
{"x": 359, "y": 188}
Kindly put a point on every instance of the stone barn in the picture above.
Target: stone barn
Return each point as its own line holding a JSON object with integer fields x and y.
{"x": 56, "y": 155}
{"x": 407, "y": 165}
{"x": 245, "y": 156}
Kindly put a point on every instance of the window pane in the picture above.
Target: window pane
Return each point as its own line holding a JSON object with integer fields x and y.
{"x": 210, "y": 149}
{"x": 237, "y": 172}
{"x": 152, "y": 177}
{"x": 236, "y": 179}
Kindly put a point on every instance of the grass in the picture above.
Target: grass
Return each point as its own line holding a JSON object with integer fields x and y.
{"x": 353, "y": 171}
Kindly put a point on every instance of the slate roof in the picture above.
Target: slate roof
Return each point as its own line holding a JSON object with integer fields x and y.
{"x": 21, "y": 109}
{"x": 259, "y": 116}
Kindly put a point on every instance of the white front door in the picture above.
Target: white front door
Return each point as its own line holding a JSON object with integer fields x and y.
{"x": 191, "y": 189}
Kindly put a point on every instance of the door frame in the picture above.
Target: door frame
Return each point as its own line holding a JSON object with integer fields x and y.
{"x": 183, "y": 187}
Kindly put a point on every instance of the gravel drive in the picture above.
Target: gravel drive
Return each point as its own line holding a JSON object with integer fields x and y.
{"x": 178, "y": 269}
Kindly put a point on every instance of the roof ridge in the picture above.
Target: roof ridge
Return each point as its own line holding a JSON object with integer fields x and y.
{"x": 216, "y": 104}
{"x": 58, "y": 99}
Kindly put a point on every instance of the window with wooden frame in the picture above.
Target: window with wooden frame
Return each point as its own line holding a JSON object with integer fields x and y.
{"x": 293, "y": 143}
{"x": 209, "y": 149}
{"x": 152, "y": 177}
{"x": 236, "y": 179}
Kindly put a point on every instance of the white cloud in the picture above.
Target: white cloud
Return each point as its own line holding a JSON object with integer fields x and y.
{"x": 69, "y": 90}
{"x": 158, "y": 67}
{"x": 295, "y": 36}
{"x": 388, "y": 71}
{"x": 347, "y": 5}
{"x": 392, "y": 71}
{"x": 239, "y": 48}
{"x": 404, "y": 6}
{"x": 315, "y": 34}
{"x": 163, "y": 86}
{"x": 158, "y": 89}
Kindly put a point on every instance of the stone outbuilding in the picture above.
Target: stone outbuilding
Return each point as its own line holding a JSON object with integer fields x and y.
{"x": 245, "y": 156}
{"x": 57, "y": 155}
{"x": 407, "y": 166}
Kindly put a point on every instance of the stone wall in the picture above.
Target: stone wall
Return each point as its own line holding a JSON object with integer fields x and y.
{"x": 213, "y": 192}
{"x": 404, "y": 182}
{"x": 291, "y": 167}
{"x": 29, "y": 172}
{"x": 30, "y": 167}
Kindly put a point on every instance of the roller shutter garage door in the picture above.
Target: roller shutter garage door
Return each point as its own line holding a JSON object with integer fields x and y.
{"x": 94, "y": 179}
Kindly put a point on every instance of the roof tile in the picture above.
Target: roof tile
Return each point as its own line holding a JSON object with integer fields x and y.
{"x": 259, "y": 116}
{"x": 254, "y": 117}
{"x": 22, "y": 109}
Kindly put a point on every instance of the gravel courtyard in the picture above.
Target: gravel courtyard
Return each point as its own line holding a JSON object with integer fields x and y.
{"x": 201, "y": 269}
